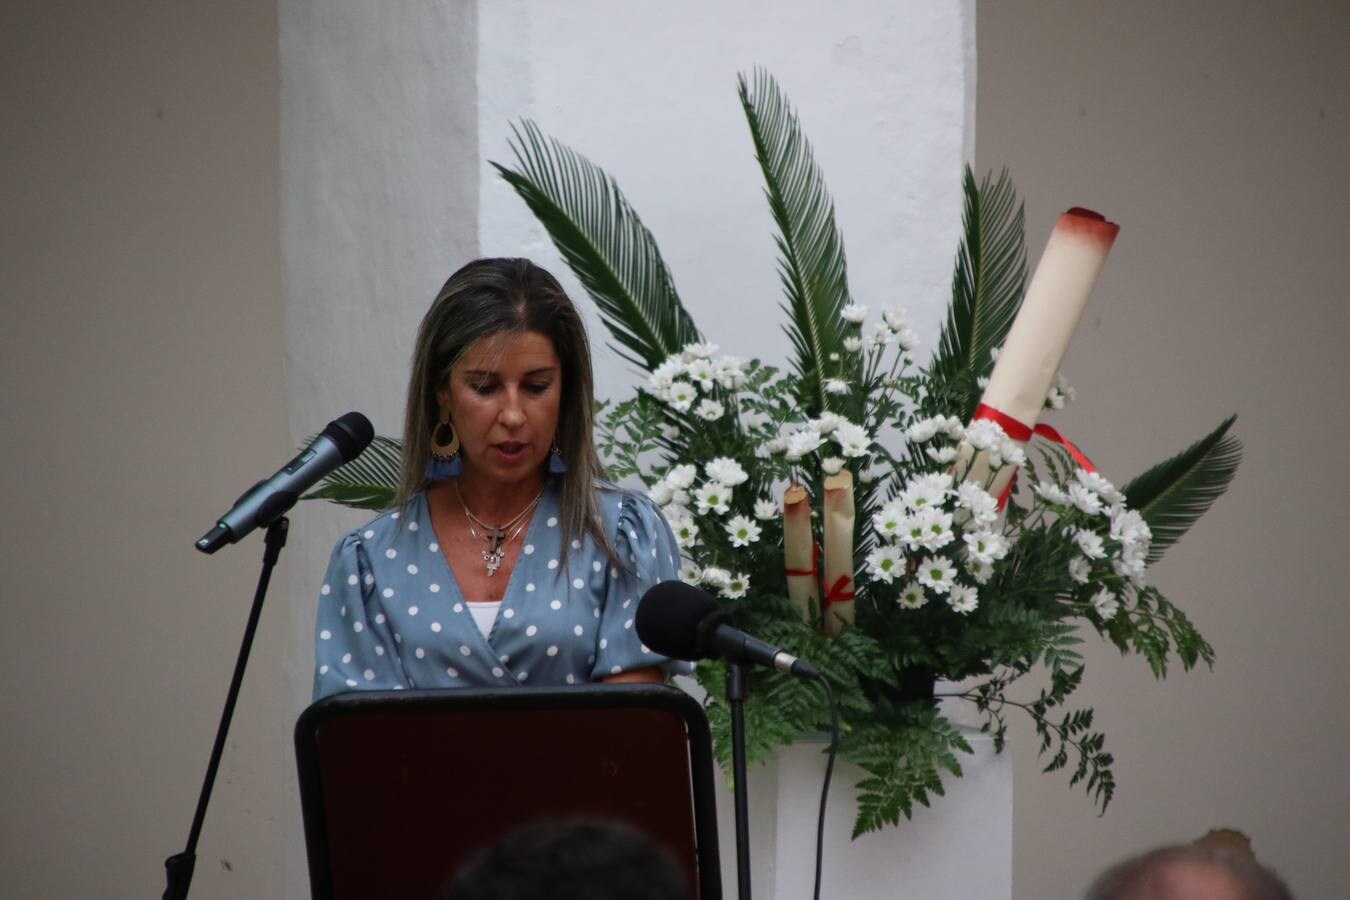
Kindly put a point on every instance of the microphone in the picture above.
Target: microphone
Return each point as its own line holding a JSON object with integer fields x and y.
{"x": 679, "y": 620}
{"x": 340, "y": 442}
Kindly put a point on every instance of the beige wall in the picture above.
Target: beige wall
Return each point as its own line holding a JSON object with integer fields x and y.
{"x": 1217, "y": 134}
{"x": 140, "y": 374}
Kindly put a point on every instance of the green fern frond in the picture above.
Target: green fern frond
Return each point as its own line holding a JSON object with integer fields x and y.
{"x": 368, "y": 482}
{"x": 1174, "y": 493}
{"x": 605, "y": 243}
{"x": 991, "y": 270}
{"x": 811, "y": 262}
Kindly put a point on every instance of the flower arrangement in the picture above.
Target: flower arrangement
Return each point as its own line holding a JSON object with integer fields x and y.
{"x": 859, "y": 508}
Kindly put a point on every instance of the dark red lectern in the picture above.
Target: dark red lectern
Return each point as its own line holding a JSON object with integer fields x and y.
{"x": 401, "y": 788}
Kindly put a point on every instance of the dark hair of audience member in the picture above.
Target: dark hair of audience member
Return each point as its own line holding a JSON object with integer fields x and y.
{"x": 577, "y": 860}
{"x": 1171, "y": 873}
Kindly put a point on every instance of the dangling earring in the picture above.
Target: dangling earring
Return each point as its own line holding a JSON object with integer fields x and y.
{"x": 445, "y": 461}
{"x": 556, "y": 464}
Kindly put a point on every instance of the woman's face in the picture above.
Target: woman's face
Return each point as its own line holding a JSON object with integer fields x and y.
{"x": 503, "y": 396}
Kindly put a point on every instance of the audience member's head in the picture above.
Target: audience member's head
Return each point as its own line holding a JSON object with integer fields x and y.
{"x": 1201, "y": 871}
{"x": 572, "y": 861}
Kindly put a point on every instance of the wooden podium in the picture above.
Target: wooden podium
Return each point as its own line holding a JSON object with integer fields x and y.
{"x": 400, "y": 788}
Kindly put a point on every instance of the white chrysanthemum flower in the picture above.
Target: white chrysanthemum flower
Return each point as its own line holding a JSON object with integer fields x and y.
{"x": 725, "y": 470}
{"x": 1128, "y": 527}
{"x": 852, "y": 344}
{"x": 1099, "y": 485}
{"x": 888, "y": 520}
{"x": 983, "y": 434}
{"x": 765, "y": 509}
{"x": 1089, "y": 543}
{"x": 661, "y": 377}
{"x": 709, "y": 410}
{"x": 803, "y": 442}
{"x": 907, "y": 339}
{"x": 853, "y": 439}
{"x": 670, "y": 432}
{"x": 1084, "y": 499}
{"x": 981, "y": 505}
{"x": 730, "y": 372}
{"x": 941, "y": 455}
{"x": 953, "y": 427}
{"x": 737, "y": 586}
{"x": 831, "y": 465}
{"x": 690, "y": 573}
{"x": 963, "y": 599}
{"x": 773, "y": 446}
{"x": 880, "y": 335}
{"x": 681, "y": 477}
{"x": 681, "y": 395}
{"x": 1080, "y": 570}
{"x": 854, "y": 313}
{"x": 980, "y": 571}
{"x": 1014, "y": 455}
{"x": 867, "y": 476}
{"x": 836, "y": 386}
{"x": 937, "y": 574}
{"x": 754, "y": 419}
{"x": 885, "y": 563}
{"x": 912, "y": 597}
{"x": 699, "y": 351}
{"x": 685, "y": 530}
{"x": 827, "y": 422}
{"x": 982, "y": 382}
{"x": 701, "y": 371}
{"x": 661, "y": 493}
{"x": 926, "y": 490}
{"x": 742, "y": 530}
{"x": 987, "y": 546}
{"x": 713, "y": 497}
{"x": 1052, "y": 492}
{"x": 1133, "y": 569}
{"x": 928, "y": 529}
{"x": 679, "y": 499}
{"x": 1053, "y": 399}
{"x": 895, "y": 317}
{"x": 1106, "y": 604}
{"x": 714, "y": 576}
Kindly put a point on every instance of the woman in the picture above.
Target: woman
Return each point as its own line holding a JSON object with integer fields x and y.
{"x": 505, "y": 560}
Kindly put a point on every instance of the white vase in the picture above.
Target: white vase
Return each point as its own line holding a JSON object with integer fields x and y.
{"x": 960, "y": 847}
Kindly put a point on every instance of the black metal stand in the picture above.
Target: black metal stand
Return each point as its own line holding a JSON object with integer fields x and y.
{"x": 178, "y": 868}
{"x": 736, "y": 701}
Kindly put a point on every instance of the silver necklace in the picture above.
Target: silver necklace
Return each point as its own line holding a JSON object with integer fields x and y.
{"x": 497, "y": 536}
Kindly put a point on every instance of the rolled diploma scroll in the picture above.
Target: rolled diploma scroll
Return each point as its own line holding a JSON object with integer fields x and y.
{"x": 1039, "y": 336}
{"x": 838, "y": 551}
{"x": 799, "y": 551}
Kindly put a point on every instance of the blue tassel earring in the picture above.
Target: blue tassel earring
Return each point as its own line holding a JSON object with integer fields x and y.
{"x": 445, "y": 460}
{"x": 556, "y": 464}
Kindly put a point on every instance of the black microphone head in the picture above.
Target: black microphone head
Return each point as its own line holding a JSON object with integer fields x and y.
{"x": 351, "y": 433}
{"x": 673, "y": 618}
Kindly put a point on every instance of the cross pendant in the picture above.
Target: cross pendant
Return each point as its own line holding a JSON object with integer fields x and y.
{"x": 493, "y": 554}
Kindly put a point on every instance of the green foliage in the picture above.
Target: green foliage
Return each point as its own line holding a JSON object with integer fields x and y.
{"x": 604, "y": 243}
{"x": 991, "y": 269}
{"x": 904, "y": 757}
{"x": 368, "y": 482}
{"x": 811, "y": 251}
{"x": 1173, "y": 494}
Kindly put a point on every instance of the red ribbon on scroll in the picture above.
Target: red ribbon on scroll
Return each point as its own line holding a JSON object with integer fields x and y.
{"x": 1020, "y": 431}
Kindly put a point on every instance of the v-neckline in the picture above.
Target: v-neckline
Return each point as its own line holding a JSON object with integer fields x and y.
{"x": 506, "y": 601}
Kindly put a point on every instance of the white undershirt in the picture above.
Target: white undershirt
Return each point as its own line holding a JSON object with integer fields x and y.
{"x": 484, "y": 614}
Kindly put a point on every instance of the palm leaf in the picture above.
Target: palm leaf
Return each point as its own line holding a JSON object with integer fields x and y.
{"x": 604, "y": 243}
{"x": 991, "y": 271}
{"x": 368, "y": 482}
{"x": 811, "y": 251}
{"x": 1174, "y": 493}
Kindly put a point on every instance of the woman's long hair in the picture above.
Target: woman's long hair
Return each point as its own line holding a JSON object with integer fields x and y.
{"x": 489, "y": 297}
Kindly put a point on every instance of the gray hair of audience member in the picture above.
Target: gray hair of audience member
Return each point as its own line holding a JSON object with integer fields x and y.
{"x": 1171, "y": 873}
{"x": 572, "y": 860}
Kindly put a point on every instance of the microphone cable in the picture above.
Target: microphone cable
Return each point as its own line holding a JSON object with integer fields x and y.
{"x": 829, "y": 771}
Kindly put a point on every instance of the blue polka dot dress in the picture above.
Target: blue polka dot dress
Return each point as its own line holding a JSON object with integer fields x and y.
{"x": 391, "y": 615}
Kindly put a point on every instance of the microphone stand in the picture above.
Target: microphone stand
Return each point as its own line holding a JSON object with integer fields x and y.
{"x": 736, "y": 702}
{"x": 178, "y": 868}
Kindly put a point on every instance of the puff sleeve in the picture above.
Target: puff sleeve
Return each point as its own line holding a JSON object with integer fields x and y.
{"x": 353, "y": 643}
{"x": 647, "y": 548}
